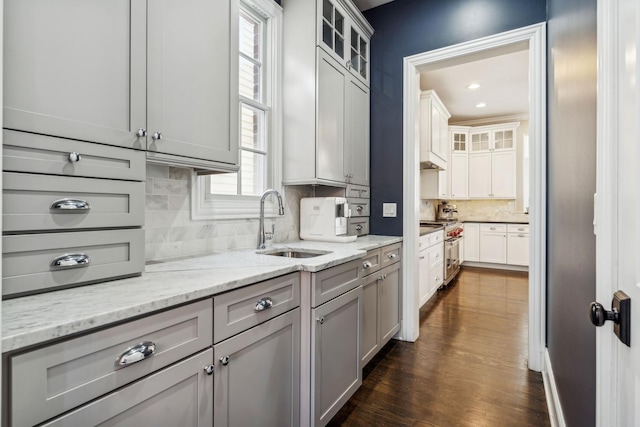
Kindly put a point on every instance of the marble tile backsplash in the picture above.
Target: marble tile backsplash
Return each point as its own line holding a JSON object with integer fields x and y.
{"x": 171, "y": 233}
{"x": 477, "y": 210}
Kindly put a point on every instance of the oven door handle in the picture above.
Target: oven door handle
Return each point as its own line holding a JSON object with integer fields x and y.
{"x": 454, "y": 241}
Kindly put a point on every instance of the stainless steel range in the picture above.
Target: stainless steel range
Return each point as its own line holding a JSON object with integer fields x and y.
{"x": 453, "y": 235}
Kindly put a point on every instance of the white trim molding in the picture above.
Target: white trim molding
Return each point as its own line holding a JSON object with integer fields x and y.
{"x": 535, "y": 36}
{"x": 556, "y": 415}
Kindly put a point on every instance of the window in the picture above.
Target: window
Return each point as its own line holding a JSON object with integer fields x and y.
{"x": 236, "y": 195}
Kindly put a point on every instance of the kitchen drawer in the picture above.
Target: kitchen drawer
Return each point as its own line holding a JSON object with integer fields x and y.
{"x": 371, "y": 262}
{"x": 391, "y": 254}
{"x": 358, "y": 191}
{"x": 436, "y": 255}
{"x": 27, "y": 259}
{"x": 423, "y": 242}
{"x": 436, "y": 275}
{"x": 62, "y": 376}
{"x": 240, "y": 309}
{"x": 435, "y": 237}
{"x": 359, "y": 207}
{"x": 493, "y": 228}
{"x": 332, "y": 282}
{"x": 27, "y": 152}
{"x": 29, "y": 203}
{"x": 358, "y": 226}
{"x": 518, "y": 228}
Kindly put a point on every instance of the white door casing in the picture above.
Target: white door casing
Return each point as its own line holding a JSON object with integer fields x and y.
{"x": 535, "y": 35}
{"x": 617, "y": 210}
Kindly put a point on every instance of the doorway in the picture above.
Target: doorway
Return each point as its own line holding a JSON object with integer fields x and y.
{"x": 535, "y": 37}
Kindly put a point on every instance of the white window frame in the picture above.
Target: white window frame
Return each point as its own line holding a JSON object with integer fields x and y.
{"x": 217, "y": 206}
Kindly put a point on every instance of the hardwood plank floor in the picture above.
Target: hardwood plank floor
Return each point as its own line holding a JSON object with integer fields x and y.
{"x": 467, "y": 368}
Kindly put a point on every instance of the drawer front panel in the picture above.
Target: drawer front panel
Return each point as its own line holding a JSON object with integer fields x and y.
{"x": 238, "y": 310}
{"x": 28, "y": 259}
{"x": 358, "y": 226}
{"x": 493, "y": 228}
{"x": 423, "y": 243}
{"x": 59, "y": 377}
{"x": 436, "y": 255}
{"x": 26, "y": 152}
{"x": 391, "y": 254}
{"x": 40, "y": 202}
{"x": 436, "y": 274}
{"x": 371, "y": 262}
{"x": 518, "y": 228}
{"x": 359, "y": 207}
{"x": 435, "y": 237}
{"x": 335, "y": 281}
{"x": 181, "y": 395}
{"x": 358, "y": 191}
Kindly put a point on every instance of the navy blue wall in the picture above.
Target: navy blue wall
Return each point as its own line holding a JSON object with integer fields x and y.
{"x": 407, "y": 27}
{"x": 571, "y": 164}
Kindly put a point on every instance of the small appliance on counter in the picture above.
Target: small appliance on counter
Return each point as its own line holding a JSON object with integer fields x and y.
{"x": 447, "y": 212}
{"x": 325, "y": 219}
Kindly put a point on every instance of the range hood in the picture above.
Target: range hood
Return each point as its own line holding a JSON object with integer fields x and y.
{"x": 431, "y": 161}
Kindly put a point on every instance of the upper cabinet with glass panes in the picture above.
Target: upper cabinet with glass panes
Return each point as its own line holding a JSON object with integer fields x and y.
{"x": 344, "y": 33}
{"x": 500, "y": 137}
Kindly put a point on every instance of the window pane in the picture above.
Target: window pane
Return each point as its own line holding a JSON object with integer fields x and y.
{"x": 254, "y": 173}
{"x": 327, "y": 34}
{"x": 252, "y": 134}
{"x": 223, "y": 183}
{"x": 339, "y": 23}
{"x": 250, "y": 30}
{"x": 327, "y": 11}
{"x": 249, "y": 79}
{"x": 339, "y": 47}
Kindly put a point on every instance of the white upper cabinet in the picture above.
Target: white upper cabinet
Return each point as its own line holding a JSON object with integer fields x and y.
{"x": 343, "y": 37}
{"x": 158, "y": 76}
{"x": 434, "y": 131}
{"x": 326, "y": 93}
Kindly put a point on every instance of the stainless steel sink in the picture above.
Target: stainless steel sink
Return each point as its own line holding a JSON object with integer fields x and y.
{"x": 294, "y": 253}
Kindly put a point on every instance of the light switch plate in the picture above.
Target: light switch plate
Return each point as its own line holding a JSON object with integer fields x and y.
{"x": 389, "y": 210}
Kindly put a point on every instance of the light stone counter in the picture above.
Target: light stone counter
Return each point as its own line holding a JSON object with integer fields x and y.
{"x": 31, "y": 320}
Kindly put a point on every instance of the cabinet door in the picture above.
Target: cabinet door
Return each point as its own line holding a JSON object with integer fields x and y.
{"x": 504, "y": 139}
{"x": 518, "y": 249}
{"x": 471, "y": 242}
{"x": 357, "y": 133}
{"x": 493, "y": 247}
{"x": 503, "y": 174}
{"x": 337, "y": 372}
{"x": 480, "y": 175}
{"x": 332, "y": 29}
{"x": 423, "y": 276}
{"x": 480, "y": 141}
{"x": 257, "y": 379}
{"x": 331, "y": 89}
{"x": 389, "y": 302}
{"x": 76, "y": 69}
{"x": 369, "y": 335}
{"x": 180, "y": 395}
{"x": 458, "y": 176}
{"x": 359, "y": 55}
{"x": 192, "y": 77}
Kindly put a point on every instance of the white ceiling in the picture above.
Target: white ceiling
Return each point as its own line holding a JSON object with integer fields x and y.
{"x": 503, "y": 78}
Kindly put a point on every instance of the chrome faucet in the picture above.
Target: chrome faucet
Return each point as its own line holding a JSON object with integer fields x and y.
{"x": 261, "y": 233}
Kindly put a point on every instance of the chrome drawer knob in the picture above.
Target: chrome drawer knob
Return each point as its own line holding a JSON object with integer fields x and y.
{"x": 263, "y": 304}
{"x": 141, "y": 133}
{"x": 392, "y": 256}
{"x": 136, "y": 353}
{"x": 224, "y": 360}
{"x": 209, "y": 369}
{"x": 367, "y": 265}
{"x": 74, "y": 157}
{"x": 156, "y": 136}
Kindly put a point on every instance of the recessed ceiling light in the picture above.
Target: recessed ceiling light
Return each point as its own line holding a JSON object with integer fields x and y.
{"x": 481, "y": 105}
{"x": 473, "y": 86}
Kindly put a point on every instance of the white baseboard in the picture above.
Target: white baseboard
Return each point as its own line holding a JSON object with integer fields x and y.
{"x": 551, "y": 392}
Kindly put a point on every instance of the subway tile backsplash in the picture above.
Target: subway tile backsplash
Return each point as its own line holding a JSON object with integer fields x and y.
{"x": 171, "y": 233}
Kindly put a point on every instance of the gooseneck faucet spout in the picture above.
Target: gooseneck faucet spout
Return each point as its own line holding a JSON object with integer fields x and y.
{"x": 261, "y": 233}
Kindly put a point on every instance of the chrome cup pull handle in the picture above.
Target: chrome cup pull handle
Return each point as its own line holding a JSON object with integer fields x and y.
{"x": 70, "y": 261}
{"x": 136, "y": 353}
{"x": 70, "y": 205}
{"x": 263, "y": 304}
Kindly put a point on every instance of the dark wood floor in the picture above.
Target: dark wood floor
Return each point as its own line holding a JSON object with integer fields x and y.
{"x": 467, "y": 368}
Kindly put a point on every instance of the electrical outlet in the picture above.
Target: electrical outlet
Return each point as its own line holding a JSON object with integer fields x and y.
{"x": 389, "y": 210}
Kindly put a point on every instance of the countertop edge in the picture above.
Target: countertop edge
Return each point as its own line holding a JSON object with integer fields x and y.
{"x": 38, "y": 319}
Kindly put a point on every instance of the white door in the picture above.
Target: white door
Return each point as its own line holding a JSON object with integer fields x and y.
{"x": 618, "y": 210}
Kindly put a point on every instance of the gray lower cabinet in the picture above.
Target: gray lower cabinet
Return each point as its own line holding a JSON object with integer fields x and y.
{"x": 369, "y": 333}
{"x": 390, "y": 301}
{"x": 181, "y": 395}
{"x": 335, "y": 357}
{"x": 257, "y": 378}
{"x": 60, "y": 377}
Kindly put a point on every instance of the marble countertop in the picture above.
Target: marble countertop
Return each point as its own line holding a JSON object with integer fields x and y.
{"x": 32, "y": 320}
{"x": 427, "y": 229}
{"x": 498, "y": 222}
